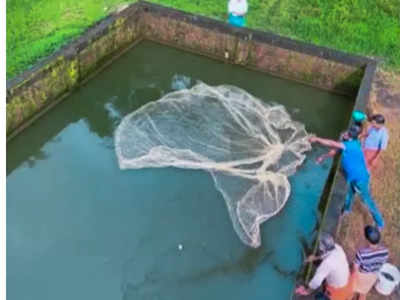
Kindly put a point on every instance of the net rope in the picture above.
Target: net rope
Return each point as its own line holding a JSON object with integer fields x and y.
{"x": 248, "y": 146}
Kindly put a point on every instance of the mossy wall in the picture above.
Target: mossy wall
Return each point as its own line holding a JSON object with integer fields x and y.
{"x": 31, "y": 95}
{"x": 40, "y": 87}
{"x": 251, "y": 49}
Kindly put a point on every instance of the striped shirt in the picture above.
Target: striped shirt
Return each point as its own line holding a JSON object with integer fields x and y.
{"x": 371, "y": 260}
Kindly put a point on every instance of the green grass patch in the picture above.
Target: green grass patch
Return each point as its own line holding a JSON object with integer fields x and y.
{"x": 36, "y": 28}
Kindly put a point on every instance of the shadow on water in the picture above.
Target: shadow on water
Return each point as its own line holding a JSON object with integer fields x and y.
{"x": 247, "y": 263}
{"x": 160, "y": 280}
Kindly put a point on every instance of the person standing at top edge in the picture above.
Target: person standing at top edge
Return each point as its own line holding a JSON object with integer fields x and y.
{"x": 237, "y": 9}
{"x": 355, "y": 171}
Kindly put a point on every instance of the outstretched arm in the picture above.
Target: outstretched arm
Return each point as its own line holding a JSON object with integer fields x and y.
{"x": 322, "y": 157}
{"x": 326, "y": 142}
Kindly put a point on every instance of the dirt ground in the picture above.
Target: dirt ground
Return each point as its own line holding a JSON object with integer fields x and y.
{"x": 385, "y": 178}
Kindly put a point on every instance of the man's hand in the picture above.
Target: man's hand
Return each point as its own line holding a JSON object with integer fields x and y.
{"x": 320, "y": 159}
{"x": 326, "y": 142}
{"x": 301, "y": 290}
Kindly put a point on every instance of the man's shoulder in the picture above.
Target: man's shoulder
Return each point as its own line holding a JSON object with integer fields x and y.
{"x": 337, "y": 253}
{"x": 351, "y": 144}
{"x": 339, "y": 249}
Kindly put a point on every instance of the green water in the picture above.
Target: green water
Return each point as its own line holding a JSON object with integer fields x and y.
{"x": 80, "y": 228}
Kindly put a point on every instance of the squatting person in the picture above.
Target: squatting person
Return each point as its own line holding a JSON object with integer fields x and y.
{"x": 334, "y": 270}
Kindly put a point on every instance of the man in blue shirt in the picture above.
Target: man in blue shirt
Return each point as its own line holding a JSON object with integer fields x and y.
{"x": 355, "y": 171}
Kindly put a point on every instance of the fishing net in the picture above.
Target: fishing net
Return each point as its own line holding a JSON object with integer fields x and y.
{"x": 249, "y": 147}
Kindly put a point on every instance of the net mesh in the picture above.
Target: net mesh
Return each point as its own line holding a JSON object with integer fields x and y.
{"x": 248, "y": 146}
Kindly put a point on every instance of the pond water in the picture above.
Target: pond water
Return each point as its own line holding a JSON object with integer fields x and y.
{"x": 80, "y": 228}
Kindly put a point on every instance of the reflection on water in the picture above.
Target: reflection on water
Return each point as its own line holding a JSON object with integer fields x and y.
{"x": 180, "y": 82}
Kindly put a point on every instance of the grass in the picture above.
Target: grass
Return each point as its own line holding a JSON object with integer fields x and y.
{"x": 36, "y": 28}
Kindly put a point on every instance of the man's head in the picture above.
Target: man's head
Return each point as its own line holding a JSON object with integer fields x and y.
{"x": 372, "y": 234}
{"x": 378, "y": 121}
{"x": 353, "y": 132}
{"x": 326, "y": 243}
{"x": 344, "y": 136}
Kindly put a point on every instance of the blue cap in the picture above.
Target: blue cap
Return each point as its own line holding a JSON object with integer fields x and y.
{"x": 358, "y": 116}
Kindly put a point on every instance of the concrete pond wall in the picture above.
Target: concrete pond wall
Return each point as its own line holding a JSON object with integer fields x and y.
{"x": 40, "y": 88}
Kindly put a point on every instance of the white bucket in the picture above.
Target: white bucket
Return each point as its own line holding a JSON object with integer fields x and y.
{"x": 388, "y": 279}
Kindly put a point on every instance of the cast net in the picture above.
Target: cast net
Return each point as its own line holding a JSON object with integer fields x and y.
{"x": 248, "y": 146}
